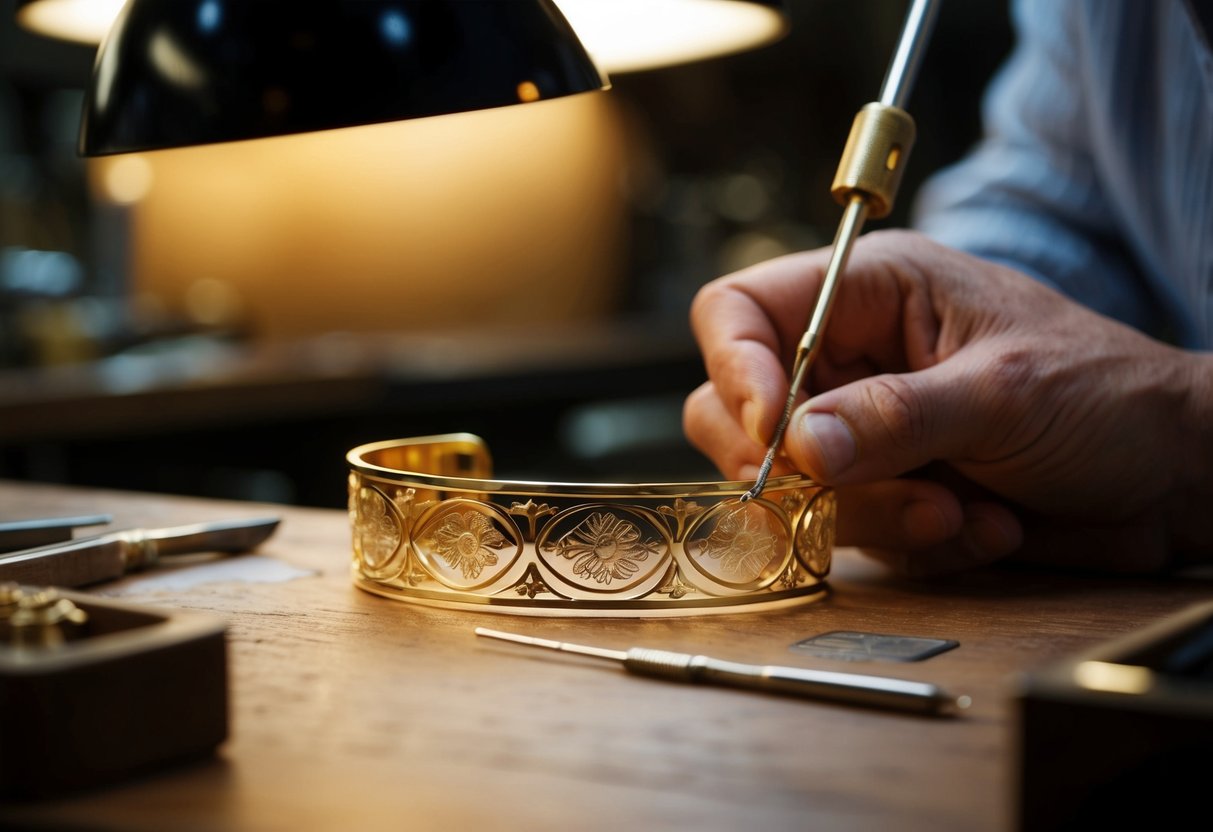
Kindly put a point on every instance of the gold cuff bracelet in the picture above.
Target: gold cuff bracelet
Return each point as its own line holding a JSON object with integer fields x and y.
{"x": 430, "y": 526}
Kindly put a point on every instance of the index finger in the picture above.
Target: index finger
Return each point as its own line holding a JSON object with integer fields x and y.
{"x": 747, "y": 325}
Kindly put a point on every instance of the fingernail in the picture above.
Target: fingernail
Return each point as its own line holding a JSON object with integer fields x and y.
{"x": 835, "y": 444}
{"x": 750, "y": 415}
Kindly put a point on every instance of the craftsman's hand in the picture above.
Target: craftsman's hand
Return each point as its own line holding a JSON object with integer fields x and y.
{"x": 965, "y": 411}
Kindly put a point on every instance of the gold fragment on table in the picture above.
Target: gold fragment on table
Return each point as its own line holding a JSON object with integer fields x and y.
{"x": 37, "y": 617}
{"x": 430, "y": 526}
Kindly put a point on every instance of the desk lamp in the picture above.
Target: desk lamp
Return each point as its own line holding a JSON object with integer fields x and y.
{"x": 621, "y": 35}
{"x": 175, "y": 74}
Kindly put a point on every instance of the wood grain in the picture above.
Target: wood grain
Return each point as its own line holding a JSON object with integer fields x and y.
{"x": 351, "y": 711}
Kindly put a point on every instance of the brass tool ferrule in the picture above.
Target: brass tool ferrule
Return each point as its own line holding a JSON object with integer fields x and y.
{"x": 874, "y": 158}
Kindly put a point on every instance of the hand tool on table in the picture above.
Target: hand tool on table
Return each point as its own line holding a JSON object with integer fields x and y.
{"x": 865, "y": 184}
{"x": 848, "y": 688}
{"x": 103, "y": 557}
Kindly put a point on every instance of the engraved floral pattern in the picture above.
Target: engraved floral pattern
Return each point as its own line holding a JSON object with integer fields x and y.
{"x": 673, "y": 585}
{"x": 467, "y": 541}
{"x": 403, "y": 499}
{"x": 790, "y": 576}
{"x": 743, "y": 544}
{"x": 792, "y": 501}
{"x": 532, "y": 511}
{"x": 531, "y": 585}
{"x": 515, "y": 552}
{"x": 605, "y": 547}
{"x": 378, "y": 531}
{"x": 681, "y": 511}
{"x": 815, "y": 538}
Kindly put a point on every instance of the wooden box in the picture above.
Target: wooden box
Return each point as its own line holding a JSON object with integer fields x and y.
{"x": 135, "y": 690}
{"x": 1121, "y": 737}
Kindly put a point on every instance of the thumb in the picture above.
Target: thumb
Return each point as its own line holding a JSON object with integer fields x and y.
{"x": 882, "y": 426}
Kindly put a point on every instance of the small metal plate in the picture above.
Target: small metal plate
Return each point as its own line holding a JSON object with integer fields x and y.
{"x": 852, "y": 646}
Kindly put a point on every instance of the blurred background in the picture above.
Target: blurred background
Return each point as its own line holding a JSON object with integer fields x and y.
{"x": 229, "y": 320}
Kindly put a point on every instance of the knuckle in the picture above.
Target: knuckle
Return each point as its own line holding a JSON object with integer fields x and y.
{"x": 731, "y": 370}
{"x": 706, "y": 299}
{"x": 693, "y": 421}
{"x": 1012, "y": 367}
{"x": 1005, "y": 376}
{"x": 900, "y": 411}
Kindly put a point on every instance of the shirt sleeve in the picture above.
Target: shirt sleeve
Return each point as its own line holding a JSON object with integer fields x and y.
{"x": 1029, "y": 195}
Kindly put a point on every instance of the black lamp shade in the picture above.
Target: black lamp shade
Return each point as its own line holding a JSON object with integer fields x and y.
{"x": 184, "y": 72}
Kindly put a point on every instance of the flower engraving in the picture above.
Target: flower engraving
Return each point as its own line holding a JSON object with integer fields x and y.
{"x": 378, "y": 531}
{"x": 605, "y": 547}
{"x": 466, "y": 541}
{"x": 743, "y": 543}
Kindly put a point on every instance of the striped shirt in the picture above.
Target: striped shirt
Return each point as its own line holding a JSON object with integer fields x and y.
{"x": 1095, "y": 173}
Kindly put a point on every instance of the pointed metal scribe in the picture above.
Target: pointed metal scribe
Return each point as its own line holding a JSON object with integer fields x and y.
{"x": 848, "y": 688}
{"x": 894, "y": 93}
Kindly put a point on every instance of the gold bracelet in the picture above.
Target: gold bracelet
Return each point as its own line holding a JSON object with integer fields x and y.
{"x": 430, "y": 526}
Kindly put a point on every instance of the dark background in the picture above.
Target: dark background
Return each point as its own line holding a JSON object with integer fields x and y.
{"x": 767, "y": 125}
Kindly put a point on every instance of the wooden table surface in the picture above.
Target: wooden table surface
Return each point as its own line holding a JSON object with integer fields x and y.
{"x": 354, "y": 712}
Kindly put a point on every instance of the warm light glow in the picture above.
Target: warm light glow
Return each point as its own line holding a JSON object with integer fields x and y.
{"x": 213, "y": 302}
{"x": 527, "y": 91}
{"x": 631, "y": 35}
{"x": 621, "y": 35}
{"x": 512, "y": 216}
{"x": 127, "y": 179}
{"x": 1114, "y": 678}
{"x": 84, "y": 21}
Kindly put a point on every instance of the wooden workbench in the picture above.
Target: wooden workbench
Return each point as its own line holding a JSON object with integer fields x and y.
{"x": 354, "y": 712}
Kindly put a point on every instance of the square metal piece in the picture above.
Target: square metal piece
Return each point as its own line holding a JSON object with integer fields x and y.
{"x": 853, "y": 646}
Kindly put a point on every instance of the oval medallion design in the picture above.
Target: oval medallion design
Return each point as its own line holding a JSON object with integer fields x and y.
{"x": 466, "y": 544}
{"x": 741, "y": 545}
{"x": 815, "y": 537}
{"x": 604, "y": 548}
{"x": 377, "y": 532}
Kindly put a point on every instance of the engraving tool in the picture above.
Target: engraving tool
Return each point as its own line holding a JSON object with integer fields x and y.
{"x": 847, "y": 688}
{"x": 865, "y": 184}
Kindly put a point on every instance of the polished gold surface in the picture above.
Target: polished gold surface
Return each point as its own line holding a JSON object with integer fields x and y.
{"x": 874, "y": 158}
{"x": 431, "y": 526}
{"x": 36, "y": 617}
